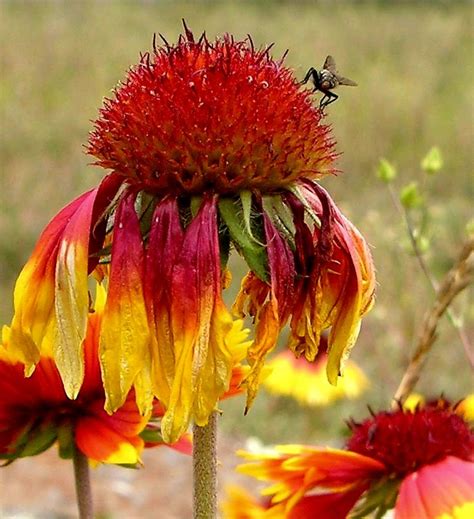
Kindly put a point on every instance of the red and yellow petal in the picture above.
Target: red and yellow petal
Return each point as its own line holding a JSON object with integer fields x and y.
{"x": 34, "y": 296}
{"x": 444, "y": 490}
{"x": 341, "y": 286}
{"x": 124, "y": 341}
{"x": 239, "y": 504}
{"x": 51, "y": 298}
{"x": 336, "y": 505}
{"x": 200, "y": 325}
{"x": 166, "y": 240}
{"x": 270, "y": 314}
{"x": 298, "y": 469}
{"x": 101, "y": 443}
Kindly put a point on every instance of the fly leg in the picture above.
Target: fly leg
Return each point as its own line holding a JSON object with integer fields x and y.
{"x": 327, "y": 99}
{"x": 312, "y": 73}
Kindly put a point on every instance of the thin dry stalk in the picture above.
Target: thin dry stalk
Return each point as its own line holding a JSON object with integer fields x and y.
{"x": 456, "y": 280}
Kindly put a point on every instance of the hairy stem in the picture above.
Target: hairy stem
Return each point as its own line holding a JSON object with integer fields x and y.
{"x": 455, "y": 281}
{"x": 83, "y": 485}
{"x": 205, "y": 469}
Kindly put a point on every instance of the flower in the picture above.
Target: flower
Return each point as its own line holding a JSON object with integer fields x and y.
{"x": 239, "y": 504}
{"x": 35, "y": 412}
{"x": 306, "y": 381}
{"x": 211, "y": 146}
{"x": 419, "y": 462}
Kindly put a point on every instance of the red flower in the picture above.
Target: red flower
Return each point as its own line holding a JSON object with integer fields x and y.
{"x": 420, "y": 463}
{"x": 211, "y": 146}
{"x": 35, "y": 412}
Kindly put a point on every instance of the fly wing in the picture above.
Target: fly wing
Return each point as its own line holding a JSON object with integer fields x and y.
{"x": 346, "y": 81}
{"x": 330, "y": 64}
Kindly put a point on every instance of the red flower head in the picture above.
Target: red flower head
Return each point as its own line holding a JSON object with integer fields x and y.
{"x": 419, "y": 462}
{"x": 211, "y": 146}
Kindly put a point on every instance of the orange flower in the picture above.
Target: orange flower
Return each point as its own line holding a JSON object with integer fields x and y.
{"x": 420, "y": 463}
{"x": 306, "y": 381}
{"x": 212, "y": 146}
{"x": 241, "y": 505}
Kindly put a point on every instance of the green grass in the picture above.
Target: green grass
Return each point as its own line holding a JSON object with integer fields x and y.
{"x": 413, "y": 63}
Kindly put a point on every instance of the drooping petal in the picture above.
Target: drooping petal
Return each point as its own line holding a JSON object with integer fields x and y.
{"x": 200, "y": 324}
{"x": 340, "y": 288}
{"x": 35, "y": 288}
{"x": 124, "y": 342}
{"x": 358, "y": 294}
{"x": 442, "y": 490}
{"x": 166, "y": 239}
{"x": 271, "y": 305}
{"x": 51, "y": 291}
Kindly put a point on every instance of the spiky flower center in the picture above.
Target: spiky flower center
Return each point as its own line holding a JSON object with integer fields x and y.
{"x": 406, "y": 441}
{"x": 221, "y": 117}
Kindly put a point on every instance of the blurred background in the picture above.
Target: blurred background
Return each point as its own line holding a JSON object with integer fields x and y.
{"x": 413, "y": 63}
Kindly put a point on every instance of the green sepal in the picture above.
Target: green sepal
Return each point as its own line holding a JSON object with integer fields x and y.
{"x": 196, "y": 202}
{"x": 33, "y": 441}
{"x": 224, "y": 246}
{"x": 152, "y": 435}
{"x": 145, "y": 207}
{"x": 66, "y": 444}
{"x": 282, "y": 217}
{"x": 249, "y": 244}
{"x": 133, "y": 466}
{"x": 42, "y": 440}
{"x": 380, "y": 498}
{"x": 295, "y": 190}
{"x": 246, "y": 199}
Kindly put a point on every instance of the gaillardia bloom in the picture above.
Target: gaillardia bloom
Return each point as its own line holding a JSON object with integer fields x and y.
{"x": 306, "y": 381}
{"x": 35, "y": 412}
{"x": 211, "y": 147}
{"x": 420, "y": 463}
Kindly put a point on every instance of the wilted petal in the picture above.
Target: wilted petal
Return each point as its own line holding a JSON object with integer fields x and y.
{"x": 166, "y": 240}
{"x": 200, "y": 324}
{"x": 340, "y": 289}
{"x": 34, "y": 296}
{"x": 273, "y": 313}
{"x": 51, "y": 291}
{"x": 124, "y": 342}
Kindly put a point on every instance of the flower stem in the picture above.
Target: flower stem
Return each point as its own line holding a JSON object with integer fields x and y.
{"x": 205, "y": 469}
{"x": 424, "y": 267}
{"x": 456, "y": 280}
{"x": 83, "y": 485}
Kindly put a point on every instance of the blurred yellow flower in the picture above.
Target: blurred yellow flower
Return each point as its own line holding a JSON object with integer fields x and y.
{"x": 307, "y": 382}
